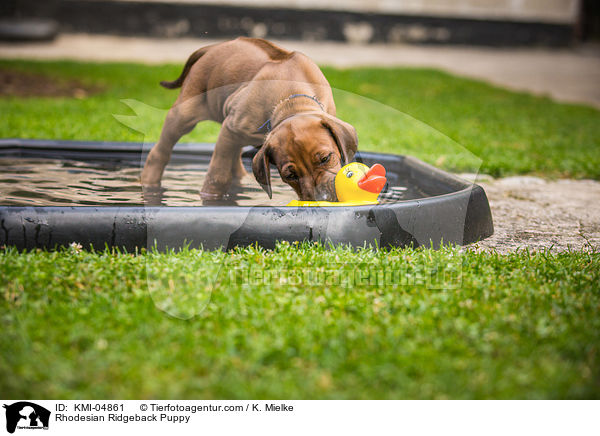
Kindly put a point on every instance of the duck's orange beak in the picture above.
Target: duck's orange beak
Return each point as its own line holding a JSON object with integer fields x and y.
{"x": 374, "y": 180}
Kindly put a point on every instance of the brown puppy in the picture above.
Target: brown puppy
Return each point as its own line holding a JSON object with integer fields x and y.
{"x": 264, "y": 96}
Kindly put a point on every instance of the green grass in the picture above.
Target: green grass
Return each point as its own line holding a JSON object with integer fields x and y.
{"x": 101, "y": 324}
{"x": 452, "y": 122}
{"x": 85, "y": 324}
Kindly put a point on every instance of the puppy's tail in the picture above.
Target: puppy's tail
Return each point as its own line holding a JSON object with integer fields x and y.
{"x": 186, "y": 69}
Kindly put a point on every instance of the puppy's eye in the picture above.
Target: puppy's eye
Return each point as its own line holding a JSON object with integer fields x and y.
{"x": 325, "y": 159}
{"x": 349, "y": 174}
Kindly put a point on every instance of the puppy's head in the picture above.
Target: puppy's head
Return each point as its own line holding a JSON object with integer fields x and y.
{"x": 308, "y": 149}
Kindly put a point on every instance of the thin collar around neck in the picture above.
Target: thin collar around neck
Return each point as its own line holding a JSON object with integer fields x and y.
{"x": 267, "y": 124}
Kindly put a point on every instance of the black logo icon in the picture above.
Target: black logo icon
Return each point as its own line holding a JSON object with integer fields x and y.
{"x": 26, "y": 415}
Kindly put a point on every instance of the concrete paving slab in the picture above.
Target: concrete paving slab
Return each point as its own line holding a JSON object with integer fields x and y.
{"x": 560, "y": 214}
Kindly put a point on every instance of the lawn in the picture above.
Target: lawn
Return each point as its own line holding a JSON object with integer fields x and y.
{"x": 502, "y": 326}
{"x": 450, "y": 324}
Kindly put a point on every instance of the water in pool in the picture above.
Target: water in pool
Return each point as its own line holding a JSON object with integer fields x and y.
{"x": 48, "y": 182}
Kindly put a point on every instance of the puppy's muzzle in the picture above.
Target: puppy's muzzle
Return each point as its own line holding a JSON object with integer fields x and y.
{"x": 326, "y": 191}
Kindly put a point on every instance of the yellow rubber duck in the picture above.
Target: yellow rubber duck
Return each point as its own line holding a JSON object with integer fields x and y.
{"x": 355, "y": 185}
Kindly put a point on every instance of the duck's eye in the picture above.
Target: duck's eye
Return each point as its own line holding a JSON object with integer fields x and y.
{"x": 349, "y": 174}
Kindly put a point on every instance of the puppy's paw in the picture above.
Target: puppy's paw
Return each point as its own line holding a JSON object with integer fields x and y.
{"x": 211, "y": 196}
{"x": 215, "y": 188}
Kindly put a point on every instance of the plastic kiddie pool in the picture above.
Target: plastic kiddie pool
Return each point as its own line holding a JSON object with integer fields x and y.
{"x": 451, "y": 210}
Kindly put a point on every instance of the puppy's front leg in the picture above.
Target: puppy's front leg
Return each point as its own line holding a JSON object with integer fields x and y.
{"x": 222, "y": 164}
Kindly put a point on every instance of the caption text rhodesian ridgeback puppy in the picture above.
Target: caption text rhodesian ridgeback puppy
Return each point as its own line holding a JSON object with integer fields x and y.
{"x": 264, "y": 96}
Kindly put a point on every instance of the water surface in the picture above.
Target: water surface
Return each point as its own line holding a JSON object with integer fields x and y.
{"x": 49, "y": 182}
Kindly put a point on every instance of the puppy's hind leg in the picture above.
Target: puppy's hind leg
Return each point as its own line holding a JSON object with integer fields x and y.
{"x": 181, "y": 119}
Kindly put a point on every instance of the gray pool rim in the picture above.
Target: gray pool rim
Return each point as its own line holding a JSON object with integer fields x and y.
{"x": 457, "y": 212}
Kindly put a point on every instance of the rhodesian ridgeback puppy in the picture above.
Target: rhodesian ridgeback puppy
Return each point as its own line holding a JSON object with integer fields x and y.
{"x": 265, "y": 96}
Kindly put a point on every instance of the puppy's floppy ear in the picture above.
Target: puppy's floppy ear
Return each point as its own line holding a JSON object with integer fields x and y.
{"x": 261, "y": 168}
{"x": 344, "y": 136}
